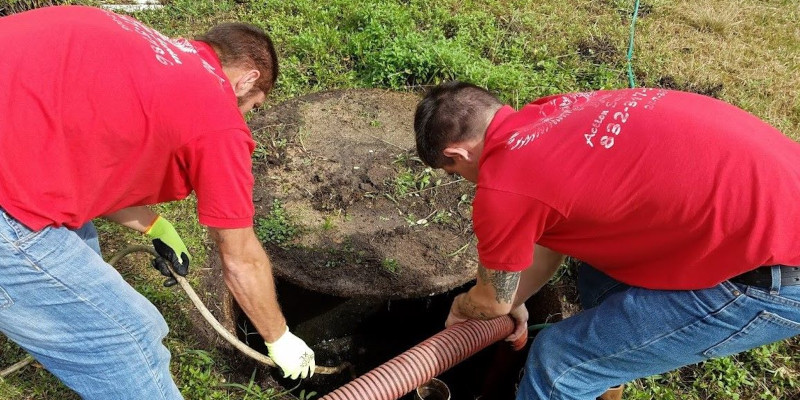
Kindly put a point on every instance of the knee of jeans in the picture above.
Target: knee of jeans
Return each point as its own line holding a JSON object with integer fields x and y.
{"x": 553, "y": 366}
{"x": 161, "y": 327}
{"x": 545, "y": 351}
{"x": 155, "y": 328}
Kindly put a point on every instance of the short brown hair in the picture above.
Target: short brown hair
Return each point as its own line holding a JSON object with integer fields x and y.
{"x": 244, "y": 45}
{"x": 449, "y": 113}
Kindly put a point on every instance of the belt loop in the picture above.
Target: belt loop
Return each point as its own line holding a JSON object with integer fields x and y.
{"x": 775, "y": 287}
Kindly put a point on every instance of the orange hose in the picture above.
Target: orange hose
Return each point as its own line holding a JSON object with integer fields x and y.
{"x": 422, "y": 362}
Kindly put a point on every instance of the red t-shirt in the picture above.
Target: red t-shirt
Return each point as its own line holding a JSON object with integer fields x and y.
{"x": 658, "y": 189}
{"x": 99, "y": 112}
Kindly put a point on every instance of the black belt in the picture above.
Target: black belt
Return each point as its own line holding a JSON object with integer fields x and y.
{"x": 762, "y": 276}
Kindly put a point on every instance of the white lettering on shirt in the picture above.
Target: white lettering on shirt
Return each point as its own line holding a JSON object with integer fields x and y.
{"x": 565, "y": 105}
{"x": 158, "y": 42}
{"x": 619, "y": 109}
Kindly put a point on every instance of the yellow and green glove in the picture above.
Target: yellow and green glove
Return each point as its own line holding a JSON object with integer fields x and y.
{"x": 170, "y": 248}
{"x": 293, "y": 355}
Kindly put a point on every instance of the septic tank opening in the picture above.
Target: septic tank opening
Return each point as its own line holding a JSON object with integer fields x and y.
{"x": 368, "y": 332}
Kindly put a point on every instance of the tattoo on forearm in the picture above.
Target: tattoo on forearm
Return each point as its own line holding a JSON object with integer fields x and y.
{"x": 503, "y": 282}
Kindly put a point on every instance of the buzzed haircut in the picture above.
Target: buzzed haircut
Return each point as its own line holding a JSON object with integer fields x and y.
{"x": 450, "y": 113}
{"x": 247, "y": 46}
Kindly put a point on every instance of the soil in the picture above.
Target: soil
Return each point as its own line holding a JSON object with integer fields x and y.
{"x": 705, "y": 88}
{"x": 366, "y": 216}
{"x": 600, "y": 50}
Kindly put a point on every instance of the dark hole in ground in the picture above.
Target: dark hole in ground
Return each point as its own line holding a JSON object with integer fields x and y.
{"x": 368, "y": 332}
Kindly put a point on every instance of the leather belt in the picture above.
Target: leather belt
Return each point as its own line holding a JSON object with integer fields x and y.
{"x": 762, "y": 276}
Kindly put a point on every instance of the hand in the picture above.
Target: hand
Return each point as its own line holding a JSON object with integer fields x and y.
{"x": 456, "y": 316}
{"x": 292, "y": 354}
{"x": 519, "y": 337}
{"x": 170, "y": 248}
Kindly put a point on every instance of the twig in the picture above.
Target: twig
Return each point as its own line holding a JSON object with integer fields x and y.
{"x": 434, "y": 187}
{"x": 384, "y": 141}
{"x": 270, "y": 126}
{"x": 461, "y": 249}
{"x": 16, "y": 367}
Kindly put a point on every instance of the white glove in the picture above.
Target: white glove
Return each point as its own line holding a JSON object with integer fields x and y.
{"x": 292, "y": 354}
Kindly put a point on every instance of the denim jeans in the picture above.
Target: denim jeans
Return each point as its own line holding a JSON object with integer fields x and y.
{"x": 76, "y": 315}
{"x": 626, "y": 333}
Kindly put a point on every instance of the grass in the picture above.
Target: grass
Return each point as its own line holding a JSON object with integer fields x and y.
{"x": 746, "y": 52}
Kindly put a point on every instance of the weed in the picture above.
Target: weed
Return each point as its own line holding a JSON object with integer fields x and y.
{"x": 260, "y": 153}
{"x": 278, "y": 227}
{"x": 306, "y": 395}
{"x": 391, "y": 265}
{"x": 279, "y": 143}
{"x": 409, "y": 178}
{"x": 328, "y": 223}
{"x": 410, "y": 219}
{"x": 256, "y": 391}
{"x": 442, "y": 217}
{"x": 196, "y": 370}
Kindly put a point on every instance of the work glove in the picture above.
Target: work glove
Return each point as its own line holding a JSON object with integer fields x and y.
{"x": 292, "y": 354}
{"x": 170, "y": 248}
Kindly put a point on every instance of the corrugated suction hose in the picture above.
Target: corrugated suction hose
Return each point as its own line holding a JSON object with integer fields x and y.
{"x": 422, "y": 362}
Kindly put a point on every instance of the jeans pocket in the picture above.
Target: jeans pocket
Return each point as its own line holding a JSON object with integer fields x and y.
{"x": 765, "y": 328}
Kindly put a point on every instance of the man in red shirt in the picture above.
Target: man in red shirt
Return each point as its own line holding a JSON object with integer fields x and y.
{"x": 101, "y": 116}
{"x": 682, "y": 208}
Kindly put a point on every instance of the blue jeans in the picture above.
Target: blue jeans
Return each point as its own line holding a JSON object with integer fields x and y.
{"x": 76, "y": 315}
{"x": 626, "y": 333}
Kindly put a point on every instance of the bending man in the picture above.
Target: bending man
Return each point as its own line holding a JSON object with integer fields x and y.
{"x": 682, "y": 207}
{"x": 102, "y": 116}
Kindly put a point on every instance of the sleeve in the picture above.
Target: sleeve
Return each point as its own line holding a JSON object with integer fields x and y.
{"x": 220, "y": 171}
{"x": 507, "y": 226}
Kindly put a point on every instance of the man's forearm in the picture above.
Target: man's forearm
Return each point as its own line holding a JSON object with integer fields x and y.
{"x": 544, "y": 266}
{"x": 137, "y": 218}
{"x": 491, "y": 296}
{"x": 248, "y": 274}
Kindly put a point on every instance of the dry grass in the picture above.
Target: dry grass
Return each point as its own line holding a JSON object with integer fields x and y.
{"x": 750, "y": 47}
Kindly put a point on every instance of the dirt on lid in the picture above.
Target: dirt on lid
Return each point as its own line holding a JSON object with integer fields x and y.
{"x": 345, "y": 207}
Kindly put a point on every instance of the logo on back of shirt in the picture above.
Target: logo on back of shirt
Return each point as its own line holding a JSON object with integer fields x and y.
{"x": 553, "y": 113}
{"x": 619, "y": 108}
{"x": 160, "y": 44}
{"x": 186, "y": 46}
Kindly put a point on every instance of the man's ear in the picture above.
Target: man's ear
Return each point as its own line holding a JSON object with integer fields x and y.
{"x": 456, "y": 153}
{"x": 246, "y": 82}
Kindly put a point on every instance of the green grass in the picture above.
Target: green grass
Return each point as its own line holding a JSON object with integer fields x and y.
{"x": 745, "y": 50}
